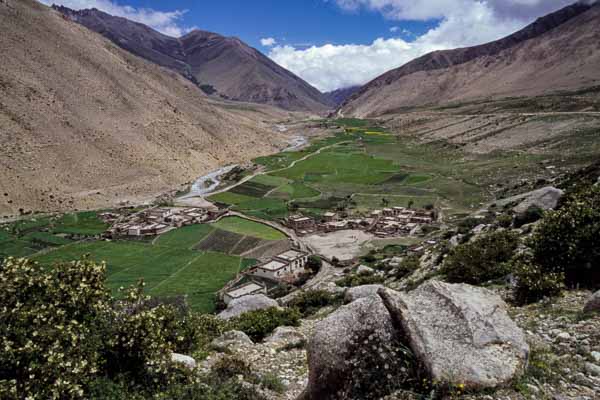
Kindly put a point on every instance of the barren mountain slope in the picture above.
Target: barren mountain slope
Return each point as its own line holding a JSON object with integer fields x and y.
{"x": 233, "y": 68}
{"x": 84, "y": 123}
{"x": 558, "y": 52}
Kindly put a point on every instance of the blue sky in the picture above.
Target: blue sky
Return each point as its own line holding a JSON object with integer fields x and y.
{"x": 336, "y": 43}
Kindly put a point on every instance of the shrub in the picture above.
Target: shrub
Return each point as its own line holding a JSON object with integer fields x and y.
{"x": 314, "y": 264}
{"x": 533, "y": 284}
{"x": 259, "y": 324}
{"x": 62, "y": 334}
{"x": 50, "y": 324}
{"x": 311, "y": 301}
{"x": 504, "y": 221}
{"x": 408, "y": 265}
{"x": 531, "y": 215}
{"x": 482, "y": 259}
{"x": 566, "y": 241}
{"x": 360, "y": 280}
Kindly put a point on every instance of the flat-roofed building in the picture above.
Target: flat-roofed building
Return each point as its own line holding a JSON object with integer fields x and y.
{"x": 295, "y": 259}
{"x": 301, "y": 223}
{"x": 329, "y": 216}
{"x": 247, "y": 289}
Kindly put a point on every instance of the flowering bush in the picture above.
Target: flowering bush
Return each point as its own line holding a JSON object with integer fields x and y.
{"x": 566, "y": 241}
{"x": 533, "y": 284}
{"x": 61, "y": 333}
{"x": 51, "y": 324}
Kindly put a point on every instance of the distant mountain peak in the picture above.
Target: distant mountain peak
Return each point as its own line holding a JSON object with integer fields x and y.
{"x": 226, "y": 65}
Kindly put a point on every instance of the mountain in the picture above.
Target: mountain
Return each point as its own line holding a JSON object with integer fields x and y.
{"x": 558, "y": 52}
{"x": 339, "y": 96}
{"x": 226, "y": 65}
{"x": 84, "y": 123}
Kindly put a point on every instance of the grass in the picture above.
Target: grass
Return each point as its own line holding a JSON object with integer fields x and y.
{"x": 186, "y": 237}
{"x": 230, "y": 198}
{"x": 294, "y": 191}
{"x": 83, "y": 223}
{"x": 245, "y": 227}
{"x": 166, "y": 270}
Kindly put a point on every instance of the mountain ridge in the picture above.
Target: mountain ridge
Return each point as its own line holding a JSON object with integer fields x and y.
{"x": 85, "y": 124}
{"x": 432, "y": 63}
{"x": 222, "y": 65}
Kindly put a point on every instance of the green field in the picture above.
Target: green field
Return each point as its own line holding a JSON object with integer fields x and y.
{"x": 245, "y": 227}
{"x": 166, "y": 270}
{"x": 83, "y": 223}
{"x": 187, "y": 237}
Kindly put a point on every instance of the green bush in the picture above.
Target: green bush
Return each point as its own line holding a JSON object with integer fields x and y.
{"x": 531, "y": 215}
{"x": 481, "y": 260}
{"x": 360, "y": 280}
{"x": 62, "y": 333}
{"x": 259, "y": 324}
{"x": 533, "y": 284}
{"x": 408, "y": 265}
{"x": 314, "y": 264}
{"x": 311, "y": 301}
{"x": 566, "y": 241}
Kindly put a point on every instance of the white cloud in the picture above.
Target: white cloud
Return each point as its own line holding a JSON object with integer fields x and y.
{"x": 462, "y": 23}
{"x": 394, "y": 29}
{"x": 167, "y": 22}
{"x": 268, "y": 42}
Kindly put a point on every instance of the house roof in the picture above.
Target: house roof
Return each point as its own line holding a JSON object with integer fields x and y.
{"x": 291, "y": 255}
{"x": 244, "y": 290}
{"x": 272, "y": 265}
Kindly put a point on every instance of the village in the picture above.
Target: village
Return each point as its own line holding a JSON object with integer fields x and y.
{"x": 156, "y": 221}
{"x": 389, "y": 222}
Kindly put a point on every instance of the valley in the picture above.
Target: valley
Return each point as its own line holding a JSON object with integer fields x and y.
{"x": 350, "y": 167}
{"x": 184, "y": 216}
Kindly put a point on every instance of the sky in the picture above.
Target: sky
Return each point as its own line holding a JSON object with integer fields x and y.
{"x": 334, "y": 44}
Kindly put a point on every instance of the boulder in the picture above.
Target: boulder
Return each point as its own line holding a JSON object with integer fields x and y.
{"x": 336, "y": 340}
{"x": 230, "y": 340}
{"x": 460, "y": 333}
{"x": 247, "y": 303}
{"x": 363, "y": 269}
{"x": 359, "y": 292}
{"x": 329, "y": 287}
{"x": 593, "y": 304}
{"x": 545, "y": 198}
{"x": 188, "y": 361}
{"x": 286, "y": 336}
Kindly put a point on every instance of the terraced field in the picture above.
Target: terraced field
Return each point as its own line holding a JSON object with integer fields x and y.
{"x": 195, "y": 261}
{"x": 166, "y": 270}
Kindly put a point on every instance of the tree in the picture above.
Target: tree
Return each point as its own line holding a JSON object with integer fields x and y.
{"x": 410, "y": 203}
{"x": 314, "y": 263}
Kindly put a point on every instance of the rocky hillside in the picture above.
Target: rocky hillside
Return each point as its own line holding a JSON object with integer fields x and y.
{"x": 84, "y": 123}
{"x": 558, "y": 52}
{"x": 221, "y": 65}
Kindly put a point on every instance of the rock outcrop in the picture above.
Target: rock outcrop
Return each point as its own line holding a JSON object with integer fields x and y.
{"x": 188, "y": 361}
{"x": 593, "y": 304}
{"x": 337, "y": 338}
{"x": 359, "y": 292}
{"x": 231, "y": 339}
{"x": 247, "y": 303}
{"x": 286, "y": 336}
{"x": 460, "y": 333}
{"x": 545, "y": 198}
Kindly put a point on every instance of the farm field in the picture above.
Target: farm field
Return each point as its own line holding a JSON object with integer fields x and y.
{"x": 356, "y": 169}
{"x": 31, "y": 235}
{"x": 245, "y": 227}
{"x": 166, "y": 270}
{"x": 195, "y": 261}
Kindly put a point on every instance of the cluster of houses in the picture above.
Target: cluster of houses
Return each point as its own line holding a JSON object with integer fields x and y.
{"x": 396, "y": 221}
{"x": 285, "y": 267}
{"x": 158, "y": 220}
